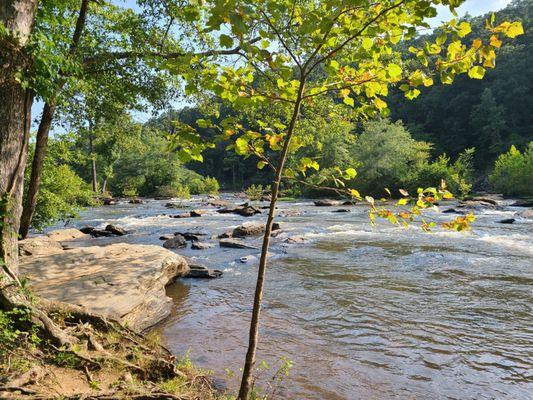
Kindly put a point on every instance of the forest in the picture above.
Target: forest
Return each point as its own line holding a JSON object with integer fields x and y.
{"x": 124, "y": 120}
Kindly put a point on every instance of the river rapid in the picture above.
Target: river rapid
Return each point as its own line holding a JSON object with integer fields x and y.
{"x": 362, "y": 312}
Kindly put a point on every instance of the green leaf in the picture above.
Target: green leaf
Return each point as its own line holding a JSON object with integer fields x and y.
{"x": 349, "y": 101}
{"x": 464, "y": 29}
{"x": 515, "y": 29}
{"x": 225, "y": 41}
{"x": 476, "y": 72}
{"x": 394, "y": 70}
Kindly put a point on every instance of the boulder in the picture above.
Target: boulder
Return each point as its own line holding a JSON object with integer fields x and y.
{"x": 192, "y": 236}
{"x": 266, "y": 197}
{"x": 295, "y": 240}
{"x": 507, "y": 221}
{"x": 108, "y": 201}
{"x": 176, "y": 242}
{"x": 452, "y": 211}
{"x": 197, "y": 213}
{"x": 101, "y": 233}
{"x": 225, "y": 235}
{"x": 115, "y": 230}
{"x": 523, "y": 203}
{"x": 136, "y": 201}
{"x": 201, "y": 245}
{"x": 252, "y": 229}
{"x": 526, "y": 213}
{"x": 326, "y": 203}
{"x": 218, "y": 203}
{"x": 479, "y": 205}
{"x": 172, "y": 205}
{"x": 200, "y": 271}
{"x": 38, "y": 246}
{"x": 348, "y": 203}
{"x": 235, "y": 244}
{"x": 245, "y": 210}
{"x": 341, "y": 210}
{"x": 166, "y": 237}
{"x": 87, "y": 229}
{"x": 63, "y": 235}
{"x": 481, "y": 199}
{"x": 122, "y": 281}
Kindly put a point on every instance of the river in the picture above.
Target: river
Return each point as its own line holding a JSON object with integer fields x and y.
{"x": 362, "y": 312}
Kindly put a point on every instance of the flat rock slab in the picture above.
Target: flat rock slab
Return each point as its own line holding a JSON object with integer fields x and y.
{"x": 123, "y": 281}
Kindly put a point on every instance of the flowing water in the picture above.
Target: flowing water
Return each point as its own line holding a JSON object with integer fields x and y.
{"x": 362, "y": 312}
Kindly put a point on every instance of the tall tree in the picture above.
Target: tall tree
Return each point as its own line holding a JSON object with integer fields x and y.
{"x": 16, "y": 24}
{"x": 129, "y": 58}
{"x": 356, "y": 46}
{"x": 487, "y": 119}
{"x": 43, "y": 131}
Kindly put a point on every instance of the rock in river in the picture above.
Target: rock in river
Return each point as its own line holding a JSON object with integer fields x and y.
{"x": 507, "y": 221}
{"x": 176, "y": 242}
{"x": 200, "y": 271}
{"x": 235, "y": 244}
{"x": 245, "y": 210}
{"x": 327, "y": 203}
{"x": 252, "y": 229}
{"x": 123, "y": 281}
{"x": 115, "y": 230}
{"x": 201, "y": 245}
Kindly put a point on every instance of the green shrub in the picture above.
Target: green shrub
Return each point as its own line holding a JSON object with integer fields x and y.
{"x": 211, "y": 185}
{"x": 457, "y": 175}
{"x": 254, "y": 192}
{"x": 513, "y": 172}
{"x": 62, "y": 194}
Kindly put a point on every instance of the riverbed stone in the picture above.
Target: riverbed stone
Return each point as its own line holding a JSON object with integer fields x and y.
{"x": 326, "y": 203}
{"x": 507, "y": 221}
{"x": 523, "y": 203}
{"x": 63, "y": 235}
{"x": 38, "y": 246}
{"x": 245, "y": 210}
{"x": 297, "y": 239}
{"x": 201, "y": 245}
{"x": 123, "y": 281}
{"x": 115, "y": 230}
{"x": 176, "y": 242}
{"x": 235, "y": 244}
{"x": 201, "y": 271}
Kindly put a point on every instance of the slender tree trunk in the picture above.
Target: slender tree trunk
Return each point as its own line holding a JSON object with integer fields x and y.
{"x": 93, "y": 159}
{"x": 247, "y": 377}
{"x": 37, "y": 168}
{"x": 104, "y": 185}
{"x": 94, "y": 178}
{"x": 15, "y": 117}
{"x": 42, "y": 135}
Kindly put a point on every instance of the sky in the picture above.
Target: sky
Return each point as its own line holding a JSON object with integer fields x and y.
{"x": 472, "y": 7}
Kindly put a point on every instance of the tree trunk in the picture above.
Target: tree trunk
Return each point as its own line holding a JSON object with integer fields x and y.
{"x": 15, "y": 118}
{"x": 93, "y": 161}
{"x": 42, "y": 136}
{"x": 104, "y": 185}
{"x": 37, "y": 168}
{"x": 246, "y": 381}
{"x": 94, "y": 179}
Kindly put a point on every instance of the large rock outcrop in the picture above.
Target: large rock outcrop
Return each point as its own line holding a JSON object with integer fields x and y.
{"x": 121, "y": 280}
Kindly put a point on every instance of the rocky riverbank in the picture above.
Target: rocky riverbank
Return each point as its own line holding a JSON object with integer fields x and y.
{"x": 123, "y": 281}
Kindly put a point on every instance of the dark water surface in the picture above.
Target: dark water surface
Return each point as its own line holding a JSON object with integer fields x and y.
{"x": 364, "y": 313}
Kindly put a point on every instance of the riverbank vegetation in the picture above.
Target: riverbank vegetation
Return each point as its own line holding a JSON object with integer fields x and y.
{"x": 300, "y": 90}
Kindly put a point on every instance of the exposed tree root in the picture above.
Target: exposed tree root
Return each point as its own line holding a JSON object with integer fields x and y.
{"x": 85, "y": 341}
